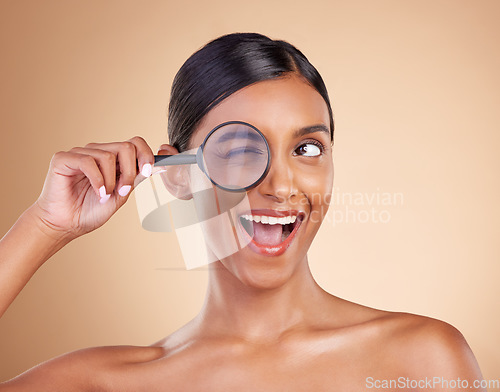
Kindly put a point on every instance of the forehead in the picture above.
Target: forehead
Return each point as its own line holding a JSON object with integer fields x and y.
{"x": 283, "y": 104}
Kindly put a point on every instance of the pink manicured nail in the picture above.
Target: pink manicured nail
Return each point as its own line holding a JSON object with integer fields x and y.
{"x": 124, "y": 190}
{"x": 146, "y": 170}
{"x": 104, "y": 199}
{"x": 102, "y": 191}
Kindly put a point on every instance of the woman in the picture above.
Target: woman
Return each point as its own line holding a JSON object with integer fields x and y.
{"x": 266, "y": 325}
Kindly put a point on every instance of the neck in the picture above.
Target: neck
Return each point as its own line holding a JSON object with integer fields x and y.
{"x": 235, "y": 309}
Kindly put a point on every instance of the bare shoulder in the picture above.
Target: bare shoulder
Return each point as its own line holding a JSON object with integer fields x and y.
{"x": 427, "y": 347}
{"x": 409, "y": 345}
{"x": 410, "y": 332}
{"x": 82, "y": 370}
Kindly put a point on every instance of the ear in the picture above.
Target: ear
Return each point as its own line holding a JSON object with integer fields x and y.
{"x": 176, "y": 178}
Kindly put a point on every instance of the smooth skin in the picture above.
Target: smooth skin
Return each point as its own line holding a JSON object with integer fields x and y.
{"x": 266, "y": 325}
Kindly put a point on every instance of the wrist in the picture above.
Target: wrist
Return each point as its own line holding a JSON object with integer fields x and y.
{"x": 34, "y": 216}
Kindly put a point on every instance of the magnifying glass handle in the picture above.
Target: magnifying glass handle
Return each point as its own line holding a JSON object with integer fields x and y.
{"x": 178, "y": 159}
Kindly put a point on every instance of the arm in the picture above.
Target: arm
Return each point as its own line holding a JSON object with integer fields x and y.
{"x": 74, "y": 371}
{"x": 84, "y": 187}
{"x": 25, "y": 247}
{"x": 438, "y": 352}
{"x": 95, "y": 369}
{"x": 451, "y": 359}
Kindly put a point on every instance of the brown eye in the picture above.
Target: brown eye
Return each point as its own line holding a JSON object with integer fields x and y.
{"x": 308, "y": 150}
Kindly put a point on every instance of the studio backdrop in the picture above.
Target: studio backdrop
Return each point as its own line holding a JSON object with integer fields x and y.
{"x": 413, "y": 224}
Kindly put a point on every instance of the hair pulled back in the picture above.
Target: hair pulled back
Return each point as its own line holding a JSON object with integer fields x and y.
{"x": 224, "y": 66}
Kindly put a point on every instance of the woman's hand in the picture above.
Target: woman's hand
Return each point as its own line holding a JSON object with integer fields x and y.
{"x": 85, "y": 186}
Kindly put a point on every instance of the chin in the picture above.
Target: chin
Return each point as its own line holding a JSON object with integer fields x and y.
{"x": 261, "y": 272}
{"x": 275, "y": 244}
{"x": 263, "y": 280}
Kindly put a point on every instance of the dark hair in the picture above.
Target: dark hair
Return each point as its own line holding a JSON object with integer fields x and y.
{"x": 224, "y": 66}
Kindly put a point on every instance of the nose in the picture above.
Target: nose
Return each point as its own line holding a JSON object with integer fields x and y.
{"x": 279, "y": 183}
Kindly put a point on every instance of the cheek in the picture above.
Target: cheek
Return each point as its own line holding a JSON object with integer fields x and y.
{"x": 216, "y": 210}
{"x": 316, "y": 187}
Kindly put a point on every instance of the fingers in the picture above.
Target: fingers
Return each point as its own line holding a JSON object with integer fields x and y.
{"x": 145, "y": 157}
{"x": 106, "y": 163}
{"x": 68, "y": 163}
{"x": 119, "y": 164}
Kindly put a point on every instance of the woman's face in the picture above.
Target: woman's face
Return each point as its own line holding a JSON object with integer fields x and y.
{"x": 296, "y": 192}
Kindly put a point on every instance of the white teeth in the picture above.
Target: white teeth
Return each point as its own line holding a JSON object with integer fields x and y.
{"x": 271, "y": 220}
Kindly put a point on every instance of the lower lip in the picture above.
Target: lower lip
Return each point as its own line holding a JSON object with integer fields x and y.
{"x": 270, "y": 250}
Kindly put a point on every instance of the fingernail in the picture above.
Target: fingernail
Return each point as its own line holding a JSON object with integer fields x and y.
{"x": 124, "y": 190}
{"x": 102, "y": 191}
{"x": 104, "y": 199}
{"x": 146, "y": 170}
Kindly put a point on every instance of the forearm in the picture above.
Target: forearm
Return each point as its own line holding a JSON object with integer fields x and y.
{"x": 24, "y": 248}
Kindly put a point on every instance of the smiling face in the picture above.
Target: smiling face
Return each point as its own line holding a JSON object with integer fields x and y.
{"x": 286, "y": 209}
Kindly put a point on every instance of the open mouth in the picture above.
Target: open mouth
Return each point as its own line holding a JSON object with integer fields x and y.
{"x": 271, "y": 234}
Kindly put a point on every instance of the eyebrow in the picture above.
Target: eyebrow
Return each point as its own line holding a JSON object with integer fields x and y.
{"x": 238, "y": 134}
{"x": 311, "y": 129}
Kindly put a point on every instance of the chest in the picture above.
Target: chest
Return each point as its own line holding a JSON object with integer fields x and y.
{"x": 259, "y": 370}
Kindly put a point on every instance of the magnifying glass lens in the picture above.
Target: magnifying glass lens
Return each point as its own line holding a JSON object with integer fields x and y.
{"x": 236, "y": 156}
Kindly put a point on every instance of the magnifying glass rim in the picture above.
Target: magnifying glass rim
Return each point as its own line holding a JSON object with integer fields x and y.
{"x": 199, "y": 157}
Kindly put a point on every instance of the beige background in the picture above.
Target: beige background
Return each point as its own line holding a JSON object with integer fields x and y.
{"x": 415, "y": 89}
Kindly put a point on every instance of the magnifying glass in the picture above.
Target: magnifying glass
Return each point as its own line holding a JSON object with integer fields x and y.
{"x": 235, "y": 156}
